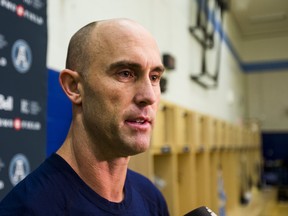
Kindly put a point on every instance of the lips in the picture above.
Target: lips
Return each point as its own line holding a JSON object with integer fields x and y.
{"x": 139, "y": 122}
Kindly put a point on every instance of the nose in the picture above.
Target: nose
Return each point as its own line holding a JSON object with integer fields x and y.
{"x": 146, "y": 93}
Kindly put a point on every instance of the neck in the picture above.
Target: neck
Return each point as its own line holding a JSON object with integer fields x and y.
{"x": 105, "y": 176}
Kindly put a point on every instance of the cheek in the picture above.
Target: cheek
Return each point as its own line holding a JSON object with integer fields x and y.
{"x": 119, "y": 97}
{"x": 110, "y": 104}
{"x": 108, "y": 99}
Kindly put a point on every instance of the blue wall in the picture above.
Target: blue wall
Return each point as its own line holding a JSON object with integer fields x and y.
{"x": 59, "y": 113}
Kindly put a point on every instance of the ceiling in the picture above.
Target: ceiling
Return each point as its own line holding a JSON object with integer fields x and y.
{"x": 260, "y": 18}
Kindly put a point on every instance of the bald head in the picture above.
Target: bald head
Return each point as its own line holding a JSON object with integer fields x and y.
{"x": 77, "y": 55}
{"x": 102, "y": 37}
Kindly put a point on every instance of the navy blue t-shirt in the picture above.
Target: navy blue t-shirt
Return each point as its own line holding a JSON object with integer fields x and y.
{"x": 55, "y": 189}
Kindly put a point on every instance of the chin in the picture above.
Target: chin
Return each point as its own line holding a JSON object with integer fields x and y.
{"x": 133, "y": 145}
{"x": 137, "y": 148}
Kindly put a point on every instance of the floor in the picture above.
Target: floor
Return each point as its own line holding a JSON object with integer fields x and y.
{"x": 263, "y": 203}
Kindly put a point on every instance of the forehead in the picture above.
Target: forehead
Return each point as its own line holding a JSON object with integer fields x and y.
{"x": 122, "y": 29}
{"x": 117, "y": 41}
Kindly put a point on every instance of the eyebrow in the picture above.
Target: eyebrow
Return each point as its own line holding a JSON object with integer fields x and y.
{"x": 134, "y": 65}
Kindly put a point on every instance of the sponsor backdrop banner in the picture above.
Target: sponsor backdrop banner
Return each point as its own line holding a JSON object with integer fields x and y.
{"x": 23, "y": 80}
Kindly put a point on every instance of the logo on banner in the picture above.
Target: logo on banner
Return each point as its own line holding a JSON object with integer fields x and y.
{"x": 1, "y": 185}
{"x": 3, "y": 42}
{"x": 19, "y": 168}
{"x": 23, "y": 105}
{"x": 22, "y": 12}
{"x": 3, "y": 61}
{"x": 6, "y": 104}
{"x": 2, "y": 165}
{"x": 19, "y": 124}
{"x": 29, "y": 107}
{"x": 21, "y": 56}
{"x": 37, "y": 4}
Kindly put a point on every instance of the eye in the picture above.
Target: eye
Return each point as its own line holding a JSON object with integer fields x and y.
{"x": 155, "y": 78}
{"x": 126, "y": 75}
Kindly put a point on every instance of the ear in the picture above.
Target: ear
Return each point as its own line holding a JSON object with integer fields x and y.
{"x": 69, "y": 81}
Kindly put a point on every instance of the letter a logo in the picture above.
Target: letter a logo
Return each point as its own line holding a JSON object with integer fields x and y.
{"x": 19, "y": 168}
{"x": 21, "y": 56}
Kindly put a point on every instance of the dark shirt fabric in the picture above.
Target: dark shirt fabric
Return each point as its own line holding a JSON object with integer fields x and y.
{"x": 55, "y": 189}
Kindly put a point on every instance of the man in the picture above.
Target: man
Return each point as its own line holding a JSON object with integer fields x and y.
{"x": 112, "y": 77}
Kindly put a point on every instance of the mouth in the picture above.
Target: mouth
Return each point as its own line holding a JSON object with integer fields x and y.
{"x": 140, "y": 123}
{"x": 139, "y": 120}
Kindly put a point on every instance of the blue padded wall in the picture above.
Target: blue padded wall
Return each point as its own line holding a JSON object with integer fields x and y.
{"x": 59, "y": 113}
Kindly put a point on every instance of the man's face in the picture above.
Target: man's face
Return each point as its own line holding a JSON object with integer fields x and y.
{"x": 122, "y": 91}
